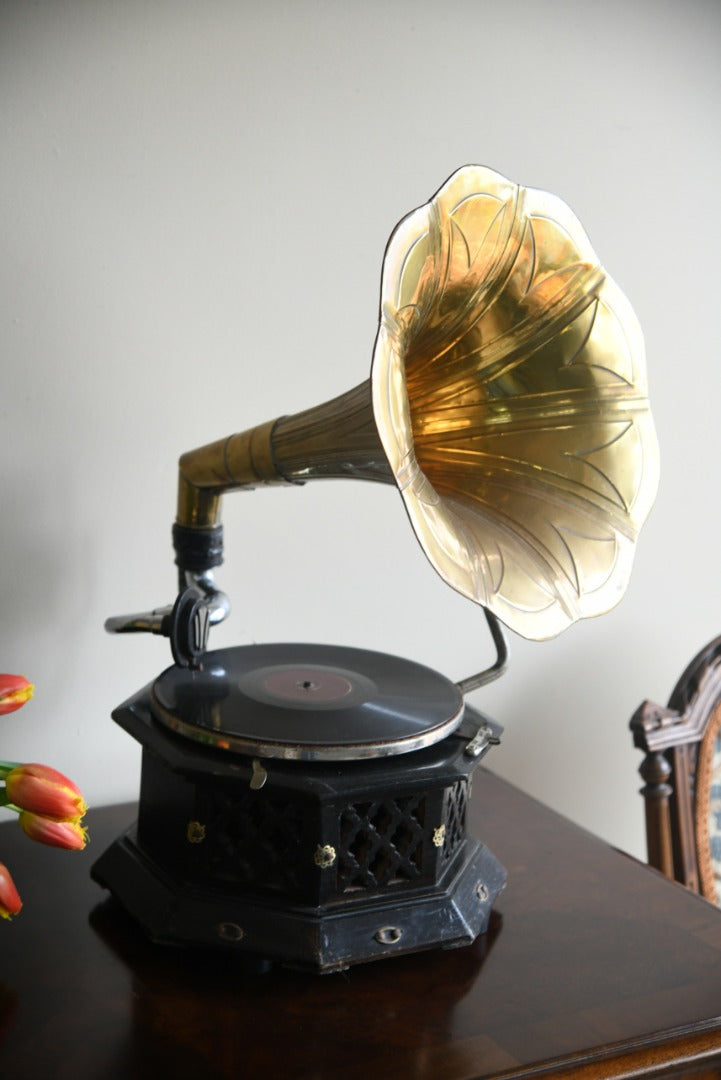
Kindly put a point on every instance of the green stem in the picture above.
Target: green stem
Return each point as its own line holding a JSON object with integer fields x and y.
{"x": 6, "y": 767}
{"x": 4, "y": 801}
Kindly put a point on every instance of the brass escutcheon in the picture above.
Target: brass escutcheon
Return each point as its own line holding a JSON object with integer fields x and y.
{"x": 324, "y": 856}
{"x": 230, "y": 931}
{"x": 195, "y": 832}
{"x": 388, "y": 935}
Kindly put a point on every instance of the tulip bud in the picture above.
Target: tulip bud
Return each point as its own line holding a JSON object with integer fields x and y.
{"x": 15, "y": 690}
{"x": 10, "y": 902}
{"x": 45, "y": 791}
{"x": 46, "y": 830}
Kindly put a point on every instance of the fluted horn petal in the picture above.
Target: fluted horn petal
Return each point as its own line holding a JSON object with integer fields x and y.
{"x": 509, "y": 392}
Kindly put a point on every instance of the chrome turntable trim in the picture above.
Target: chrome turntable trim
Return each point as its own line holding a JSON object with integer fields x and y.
{"x": 308, "y": 703}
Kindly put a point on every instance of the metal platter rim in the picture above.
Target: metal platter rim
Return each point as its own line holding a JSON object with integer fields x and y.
{"x": 319, "y": 752}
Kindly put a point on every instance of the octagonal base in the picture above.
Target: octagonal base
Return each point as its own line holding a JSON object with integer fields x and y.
{"x": 317, "y": 865}
{"x": 322, "y": 940}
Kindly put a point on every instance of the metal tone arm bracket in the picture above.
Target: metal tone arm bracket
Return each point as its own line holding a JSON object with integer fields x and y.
{"x": 473, "y": 682}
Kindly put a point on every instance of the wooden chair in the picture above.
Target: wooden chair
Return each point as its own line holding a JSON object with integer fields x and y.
{"x": 682, "y": 774}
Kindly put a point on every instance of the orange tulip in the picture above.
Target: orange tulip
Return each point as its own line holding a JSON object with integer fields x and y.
{"x": 15, "y": 690}
{"x": 45, "y": 791}
{"x": 46, "y": 830}
{"x": 10, "y": 902}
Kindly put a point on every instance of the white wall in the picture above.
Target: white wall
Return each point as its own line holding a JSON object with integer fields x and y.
{"x": 195, "y": 203}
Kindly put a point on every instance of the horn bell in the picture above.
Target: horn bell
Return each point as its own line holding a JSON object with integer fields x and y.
{"x": 507, "y": 401}
{"x": 509, "y": 390}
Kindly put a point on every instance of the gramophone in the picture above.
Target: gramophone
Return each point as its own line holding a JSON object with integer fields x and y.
{"x": 307, "y": 804}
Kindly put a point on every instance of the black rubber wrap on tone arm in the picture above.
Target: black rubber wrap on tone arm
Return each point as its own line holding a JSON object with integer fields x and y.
{"x": 197, "y": 549}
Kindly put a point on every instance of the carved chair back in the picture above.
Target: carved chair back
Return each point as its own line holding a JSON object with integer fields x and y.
{"x": 682, "y": 774}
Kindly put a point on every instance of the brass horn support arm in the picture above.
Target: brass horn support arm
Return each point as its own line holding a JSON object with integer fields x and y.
{"x": 337, "y": 439}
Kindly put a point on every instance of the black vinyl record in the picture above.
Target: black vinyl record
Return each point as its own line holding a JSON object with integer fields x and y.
{"x": 310, "y": 702}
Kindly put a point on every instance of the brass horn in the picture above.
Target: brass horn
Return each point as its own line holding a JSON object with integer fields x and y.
{"x": 507, "y": 401}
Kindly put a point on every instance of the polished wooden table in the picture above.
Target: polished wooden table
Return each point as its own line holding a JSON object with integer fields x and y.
{"x": 594, "y": 967}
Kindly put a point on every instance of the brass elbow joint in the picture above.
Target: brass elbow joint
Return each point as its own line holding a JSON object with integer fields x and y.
{"x": 239, "y": 461}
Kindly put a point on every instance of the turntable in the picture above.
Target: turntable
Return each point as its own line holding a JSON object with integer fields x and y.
{"x": 307, "y": 804}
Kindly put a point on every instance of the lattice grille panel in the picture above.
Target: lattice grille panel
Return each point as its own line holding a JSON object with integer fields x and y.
{"x": 252, "y": 841}
{"x": 381, "y": 843}
{"x": 454, "y": 815}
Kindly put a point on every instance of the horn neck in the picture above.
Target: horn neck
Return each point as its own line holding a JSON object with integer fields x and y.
{"x": 338, "y": 439}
